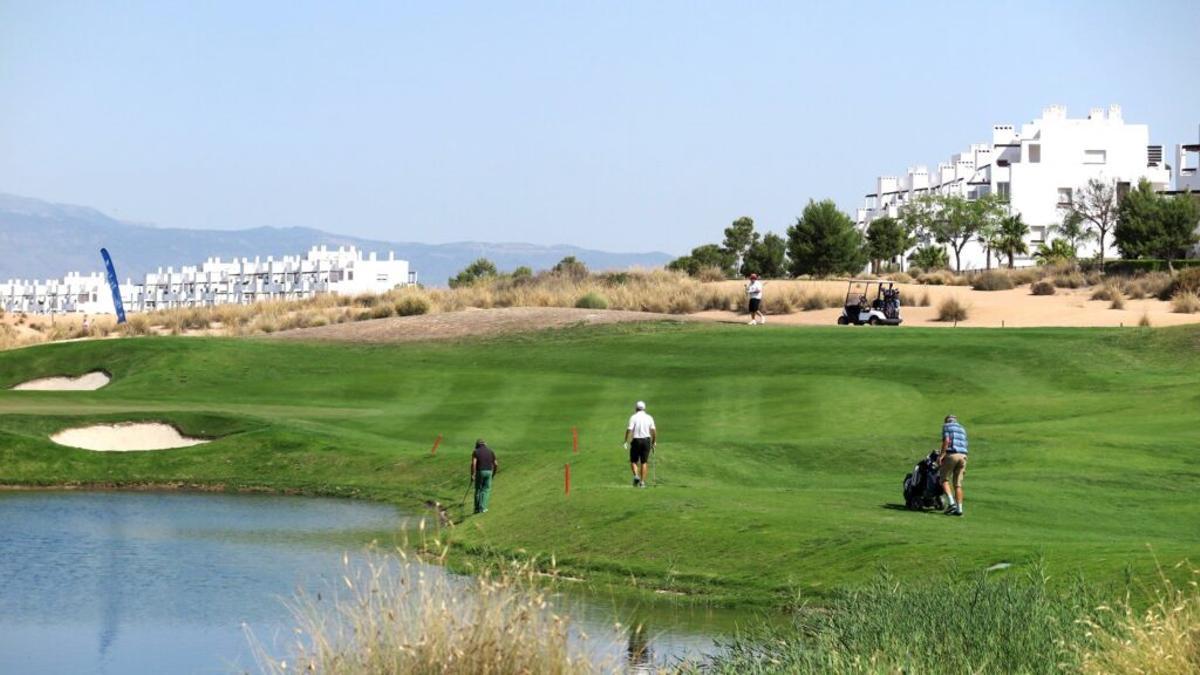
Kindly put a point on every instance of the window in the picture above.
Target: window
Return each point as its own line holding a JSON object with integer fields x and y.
{"x": 1037, "y": 234}
{"x": 1064, "y": 195}
{"x": 381, "y": 278}
{"x": 1095, "y": 156}
{"x": 1003, "y": 190}
{"x": 1035, "y": 153}
{"x": 1122, "y": 190}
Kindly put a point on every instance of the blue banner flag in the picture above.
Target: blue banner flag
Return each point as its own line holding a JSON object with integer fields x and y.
{"x": 112, "y": 283}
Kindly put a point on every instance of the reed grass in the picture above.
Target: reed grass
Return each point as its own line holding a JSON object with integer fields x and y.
{"x": 952, "y": 309}
{"x": 393, "y": 613}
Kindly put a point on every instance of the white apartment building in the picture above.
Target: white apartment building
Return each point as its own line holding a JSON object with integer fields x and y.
{"x": 1036, "y": 168}
{"x": 1187, "y": 166}
{"x": 345, "y": 271}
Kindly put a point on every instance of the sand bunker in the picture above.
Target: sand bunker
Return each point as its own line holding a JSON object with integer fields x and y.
{"x": 89, "y": 382}
{"x": 128, "y": 437}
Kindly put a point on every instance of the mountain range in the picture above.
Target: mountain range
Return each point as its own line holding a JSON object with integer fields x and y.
{"x": 40, "y": 240}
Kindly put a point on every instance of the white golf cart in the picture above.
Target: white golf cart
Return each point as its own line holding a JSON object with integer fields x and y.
{"x": 876, "y": 303}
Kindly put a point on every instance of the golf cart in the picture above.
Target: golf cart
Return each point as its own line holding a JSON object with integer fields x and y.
{"x": 872, "y": 302}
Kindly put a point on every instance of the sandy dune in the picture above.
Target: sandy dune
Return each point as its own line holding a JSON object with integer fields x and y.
{"x": 1015, "y": 308}
{"x": 134, "y": 436}
{"x": 89, "y": 382}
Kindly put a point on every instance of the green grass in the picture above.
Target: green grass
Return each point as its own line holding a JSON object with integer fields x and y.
{"x": 782, "y": 450}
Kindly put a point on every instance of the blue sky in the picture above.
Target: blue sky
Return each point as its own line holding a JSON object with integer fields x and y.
{"x": 622, "y": 126}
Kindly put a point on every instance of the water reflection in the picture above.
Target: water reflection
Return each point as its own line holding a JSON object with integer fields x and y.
{"x": 162, "y": 582}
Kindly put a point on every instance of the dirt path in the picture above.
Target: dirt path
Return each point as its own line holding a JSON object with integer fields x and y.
{"x": 469, "y": 323}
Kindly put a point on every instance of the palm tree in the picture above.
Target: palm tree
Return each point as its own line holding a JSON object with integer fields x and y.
{"x": 1010, "y": 237}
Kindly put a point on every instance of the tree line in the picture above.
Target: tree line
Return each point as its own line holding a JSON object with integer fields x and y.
{"x": 824, "y": 241}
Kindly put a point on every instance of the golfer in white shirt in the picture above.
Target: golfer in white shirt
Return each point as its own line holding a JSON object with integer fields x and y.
{"x": 754, "y": 289}
{"x": 640, "y": 438}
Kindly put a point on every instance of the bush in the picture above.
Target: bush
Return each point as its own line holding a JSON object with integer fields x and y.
{"x": 925, "y": 301}
{"x": 1185, "y": 302}
{"x": 710, "y": 273}
{"x": 592, "y": 300}
{"x": 899, "y": 277}
{"x": 992, "y": 281}
{"x": 1043, "y": 287}
{"x": 938, "y": 278}
{"x": 381, "y": 311}
{"x": 1070, "y": 280}
{"x": 412, "y": 305}
{"x": 1024, "y": 275}
{"x": 1118, "y": 302}
{"x": 816, "y": 300}
{"x": 1144, "y": 322}
{"x": 1186, "y": 281}
{"x": 952, "y": 309}
{"x": 1108, "y": 291}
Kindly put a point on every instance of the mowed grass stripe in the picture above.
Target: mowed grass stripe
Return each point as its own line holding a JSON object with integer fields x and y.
{"x": 782, "y": 456}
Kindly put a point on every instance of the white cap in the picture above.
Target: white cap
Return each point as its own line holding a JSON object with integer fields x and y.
{"x": 641, "y": 405}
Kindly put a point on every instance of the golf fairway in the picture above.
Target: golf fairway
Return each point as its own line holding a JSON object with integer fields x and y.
{"x": 781, "y": 457}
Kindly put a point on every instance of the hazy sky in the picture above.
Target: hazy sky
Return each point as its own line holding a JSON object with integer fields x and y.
{"x": 623, "y": 126}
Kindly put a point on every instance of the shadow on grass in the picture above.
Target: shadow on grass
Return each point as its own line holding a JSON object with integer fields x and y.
{"x": 902, "y": 507}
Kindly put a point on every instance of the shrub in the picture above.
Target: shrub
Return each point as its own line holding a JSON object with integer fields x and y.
{"x": 1111, "y": 289}
{"x": 592, "y": 300}
{"x": 815, "y": 300}
{"x": 992, "y": 281}
{"x": 925, "y": 301}
{"x": 1118, "y": 302}
{"x": 938, "y": 278}
{"x": 899, "y": 277}
{"x": 952, "y": 309}
{"x": 1024, "y": 275}
{"x": 710, "y": 273}
{"x": 1186, "y": 281}
{"x": 1070, "y": 280}
{"x": 1132, "y": 267}
{"x": 1043, "y": 287}
{"x": 382, "y": 311}
{"x": 1185, "y": 302}
{"x": 1144, "y": 322}
{"x": 135, "y": 325}
{"x": 412, "y": 305}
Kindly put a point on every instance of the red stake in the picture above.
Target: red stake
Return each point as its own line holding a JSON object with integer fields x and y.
{"x": 575, "y": 439}
{"x": 436, "y": 443}
{"x": 567, "y": 479}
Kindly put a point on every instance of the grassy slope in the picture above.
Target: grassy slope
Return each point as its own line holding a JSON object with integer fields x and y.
{"x": 782, "y": 449}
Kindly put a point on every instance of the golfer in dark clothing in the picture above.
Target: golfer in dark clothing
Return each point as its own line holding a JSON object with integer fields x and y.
{"x": 483, "y": 468}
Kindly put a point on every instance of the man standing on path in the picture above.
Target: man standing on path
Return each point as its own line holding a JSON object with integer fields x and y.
{"x": 640, "y": 438}
{"x": 483, "y": 467}
{"x": 754, "y": 289}
{"x": 952, "y": 463}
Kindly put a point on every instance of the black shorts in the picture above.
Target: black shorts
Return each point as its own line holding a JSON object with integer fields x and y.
{"x": 755, "y": 303}
{"x": 639, "y": 451}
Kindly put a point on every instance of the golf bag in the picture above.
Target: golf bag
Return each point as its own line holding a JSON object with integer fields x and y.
{"x": 923, "y": 487}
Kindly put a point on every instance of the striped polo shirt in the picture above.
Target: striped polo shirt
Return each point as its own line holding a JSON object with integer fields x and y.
{"x": 957, "y": 435}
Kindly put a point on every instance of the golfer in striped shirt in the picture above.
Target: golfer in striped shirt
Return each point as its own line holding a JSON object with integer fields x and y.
{"x": 952, "y": 463}
{"x": 640, "y": 438}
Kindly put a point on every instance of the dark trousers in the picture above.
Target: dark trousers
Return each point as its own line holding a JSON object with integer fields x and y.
{"x": 483, "y": 490}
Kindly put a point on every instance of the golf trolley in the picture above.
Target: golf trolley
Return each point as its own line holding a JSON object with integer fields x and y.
{"x": 871, "y": 302}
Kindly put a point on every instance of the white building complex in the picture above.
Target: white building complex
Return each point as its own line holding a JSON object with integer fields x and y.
{"x": 345, "y": 271}
{"x": 1037, "y": 168}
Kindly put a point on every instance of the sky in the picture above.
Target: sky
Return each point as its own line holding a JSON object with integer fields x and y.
{"x": 624, "y": 126}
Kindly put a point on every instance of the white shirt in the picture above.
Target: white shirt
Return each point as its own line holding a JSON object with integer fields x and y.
{"x": 641, "y": 424}
{"x": 754, "y": 289}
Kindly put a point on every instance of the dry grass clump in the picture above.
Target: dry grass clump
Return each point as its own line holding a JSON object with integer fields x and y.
{"x": 943, "y": 278}
{"x": 1043, "y": 287}
{"x": 1110, "y": 289}
{"x": 1186, "y": 281}
{"x": 1118, "y": 302}
{"x": 1163, "y": 639}
{"x": 1070, "y": 280}
{"x": 1144, "y": 322}
{"x": 396, "y": 615}
{"x": 952, "y": 309}
{"x": 1024, "y": 275}
{"x": 992, "y": 281}
{"x": 1185, "y": 302}
{"x": 710, "y": 274}
{"x": 899, "y": 277}
{"x": 1151, "y": 284}
{"x": 592, "y": 300}
{"x": 8, "y": 337}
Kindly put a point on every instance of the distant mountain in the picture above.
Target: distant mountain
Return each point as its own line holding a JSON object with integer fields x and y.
{"x": 40, "y": 240}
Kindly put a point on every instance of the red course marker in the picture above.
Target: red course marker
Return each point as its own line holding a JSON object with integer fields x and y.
{"x": 575, "y": 439}
{"x": 567, "y": 479}
{"x": 436, "y": 443}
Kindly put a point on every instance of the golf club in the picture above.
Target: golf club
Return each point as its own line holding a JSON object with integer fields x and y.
{"x": 463, "y": 504}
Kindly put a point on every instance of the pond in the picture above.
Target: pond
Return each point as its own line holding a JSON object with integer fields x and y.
{"x": 153, "y": 582}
